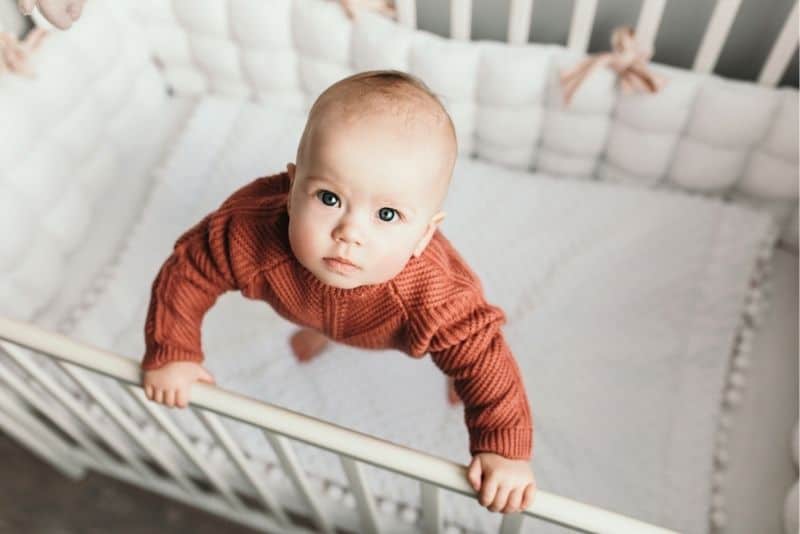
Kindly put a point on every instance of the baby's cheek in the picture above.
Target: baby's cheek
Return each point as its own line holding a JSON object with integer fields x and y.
{"x": 393, "y": 257}
{"x": 304, "y": 239}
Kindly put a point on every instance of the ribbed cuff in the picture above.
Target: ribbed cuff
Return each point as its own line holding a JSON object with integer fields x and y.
{"x": 160, "y": 355}
{"x": 512, "y": 443}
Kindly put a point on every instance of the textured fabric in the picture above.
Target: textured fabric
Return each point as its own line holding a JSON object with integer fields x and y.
{"x": 627, "y": 419}
{"x": 434, "y": 305}
{"x": 93, "y": 121}
{"x": 702, "y": 132}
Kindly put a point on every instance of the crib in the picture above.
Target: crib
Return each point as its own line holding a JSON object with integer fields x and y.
{"x": 185, "y": 100}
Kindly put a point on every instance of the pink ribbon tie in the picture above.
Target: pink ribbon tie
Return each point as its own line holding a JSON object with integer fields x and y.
{"x": 627, "y": 59}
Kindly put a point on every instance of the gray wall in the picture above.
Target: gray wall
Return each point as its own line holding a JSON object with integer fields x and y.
{"x": 754, "y": 30}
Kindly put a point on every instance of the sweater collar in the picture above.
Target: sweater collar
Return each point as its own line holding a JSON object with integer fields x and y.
{"x": 322, "y": 288}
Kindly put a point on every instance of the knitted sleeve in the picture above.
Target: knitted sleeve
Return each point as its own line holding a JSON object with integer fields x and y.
{"x": 463, "y": 336}
{"x": 209, "y": 259}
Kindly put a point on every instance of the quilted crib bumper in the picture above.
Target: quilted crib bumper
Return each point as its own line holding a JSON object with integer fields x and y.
{"x": 77, "y": 143}
{"x": 702, "y": 133}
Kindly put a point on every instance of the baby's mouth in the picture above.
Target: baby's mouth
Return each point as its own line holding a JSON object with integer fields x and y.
{"x": 340, "y": 265}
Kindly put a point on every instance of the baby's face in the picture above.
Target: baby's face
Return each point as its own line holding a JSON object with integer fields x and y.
{"x": 369, "y": 192}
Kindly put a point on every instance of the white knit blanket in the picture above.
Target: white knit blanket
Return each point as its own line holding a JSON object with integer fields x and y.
{"x": 622, "y": 304}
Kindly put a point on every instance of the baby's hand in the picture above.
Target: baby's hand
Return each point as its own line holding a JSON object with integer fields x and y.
{"x": 504, "y": 485}
{"x": 170, "y": 384}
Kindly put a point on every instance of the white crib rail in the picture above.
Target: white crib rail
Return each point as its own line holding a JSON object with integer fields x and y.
{"x": 716, "y": 34}
{"x": 278, "y": 424}
{"x": 580, "y": 28}
{"x": 519, "y": 21}
{"x": 649, "y": 21}
{"x": 782, "y": 51}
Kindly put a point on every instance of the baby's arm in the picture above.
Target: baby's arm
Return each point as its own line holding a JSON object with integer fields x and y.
{"x": 189, "y": 282}
{"x": 206, "y": 261}
{"x": 469, "y": 347}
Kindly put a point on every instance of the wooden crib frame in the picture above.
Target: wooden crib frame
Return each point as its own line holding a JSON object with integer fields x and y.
{"x": 208, "y": 403}
{"x": 76, "y": 443}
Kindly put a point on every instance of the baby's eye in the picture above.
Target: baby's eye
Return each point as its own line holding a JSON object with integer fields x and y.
{"x": 387, "y": 214}
{"x": 327, "y": 198}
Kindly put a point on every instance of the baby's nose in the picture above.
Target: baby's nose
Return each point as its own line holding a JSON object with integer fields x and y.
{"x": 347, "y": 233}
{"x": 343, "y": 238}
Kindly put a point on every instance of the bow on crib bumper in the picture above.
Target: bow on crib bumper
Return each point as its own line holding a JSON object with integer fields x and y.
{"x": 627, "y": 58}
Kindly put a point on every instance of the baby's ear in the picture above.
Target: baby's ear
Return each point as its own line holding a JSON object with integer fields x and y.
{"x": 436, "y": 220}
{"x": 290, "y": 170}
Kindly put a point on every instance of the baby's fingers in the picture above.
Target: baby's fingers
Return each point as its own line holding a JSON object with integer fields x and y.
{"x": 182, "y": 398}
{"x": 514, "y": 500}
{"x": 488, "y": 492}
{"x": 474, "y": 475}
{"x": 169, "y": 398}
{"x": 500, "y": 500}
{"x": 527, "y": 498}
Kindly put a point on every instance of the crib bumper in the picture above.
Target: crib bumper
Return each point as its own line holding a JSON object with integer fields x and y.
{"x": 701, "y": 133}
{"x": 66, "y": 136}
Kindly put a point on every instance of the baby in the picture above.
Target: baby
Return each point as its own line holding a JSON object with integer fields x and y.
{"x": 346, "y": 244}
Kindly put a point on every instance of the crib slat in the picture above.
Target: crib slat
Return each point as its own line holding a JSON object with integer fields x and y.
{"x": 406, "y": 13}
{"x": 649, "y": 21}
{"x": 519, "y": 21}
{"x": 511, "y": 524}
{"x": 68, "y": 401}
{"x": 716, "y": 33}
{"x": 21, "y": 425}
{"x": 64, "y": 423}
{"x": 131, "y": 428}
{"x": 782, "y": 51}
{"x": 580, "y": 29}
{"x": 431, "y": 508}
{"x": 121, "y": 419}
{"x": 460, "y": 19}
{"x": 366, "y": 504}
{"x": 291, "y": 466}
{"x": 178, "y": 437}
{"x": 213, "y": 424}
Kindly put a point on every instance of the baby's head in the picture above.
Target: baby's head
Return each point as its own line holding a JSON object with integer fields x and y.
{"x": 372, "y": 171}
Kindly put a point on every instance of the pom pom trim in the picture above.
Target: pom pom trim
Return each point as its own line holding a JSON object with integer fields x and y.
{"x": 756, "y": 304}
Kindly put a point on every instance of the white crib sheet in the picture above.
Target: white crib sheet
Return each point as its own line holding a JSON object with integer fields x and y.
{"x": 622, "y": 303}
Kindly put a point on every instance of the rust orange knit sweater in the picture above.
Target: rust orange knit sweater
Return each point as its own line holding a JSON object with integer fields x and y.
{"x": 434, "y": 305}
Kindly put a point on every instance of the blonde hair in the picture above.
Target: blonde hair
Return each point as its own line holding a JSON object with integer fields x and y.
{"x": 379, "y": 91}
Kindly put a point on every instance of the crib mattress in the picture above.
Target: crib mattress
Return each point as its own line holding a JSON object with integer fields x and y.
{"x": 653, "y": 463}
